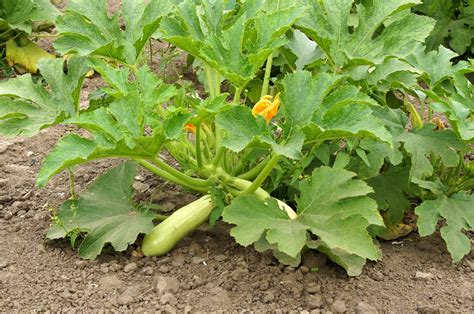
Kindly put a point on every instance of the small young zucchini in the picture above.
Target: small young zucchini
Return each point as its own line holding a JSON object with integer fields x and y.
{"x": 168, "y": 233}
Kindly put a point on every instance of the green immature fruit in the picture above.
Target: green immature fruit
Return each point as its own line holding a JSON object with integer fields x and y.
{"x": 167, "y": 234}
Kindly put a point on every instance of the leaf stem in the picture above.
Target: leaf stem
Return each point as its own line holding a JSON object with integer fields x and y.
{"x": 263, "y": 175}
{"x": 238, "y": 92}
{"x": 242, "y": 185}
{"x": 150, "y": 44}
{"x": 43, "y": 35}
{"x": 179, "y": 175}
{"x": 72, "y": 189}
{"x": 198, "y": 145}
{"x": 220, "y": 153}
{"x": 217, "y": 83}
{"x": 210, "y": 81}
{"x": 167, "y": 176}
{"x": 268, "y": 71}
{"x": 252, "y": 173}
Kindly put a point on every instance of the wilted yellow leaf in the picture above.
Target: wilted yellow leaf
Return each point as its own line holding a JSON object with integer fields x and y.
{"x": 26, "y": 56}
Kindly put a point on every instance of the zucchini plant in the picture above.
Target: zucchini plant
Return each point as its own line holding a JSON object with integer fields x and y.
{"x": 331, "y": 155}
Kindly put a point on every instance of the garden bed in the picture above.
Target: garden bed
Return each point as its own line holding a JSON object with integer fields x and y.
{"x": 210, "y": 270}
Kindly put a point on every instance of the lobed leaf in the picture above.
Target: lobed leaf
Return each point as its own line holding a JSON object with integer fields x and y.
{"x": 454, "y": 24}
{"x": 353, "y": 264}
{"x": 105, "y": 214}
{"x": 27, "y": 107}
{"x": 86, "y": 28}
{"x": 334, "y": 192}
{"x": 73, "y": 150}
{"x": 436, "y": 65}
{"x": 390, "y": 191}
{"x": 376, "y": 153}
{"x": 310, "y": 104}
{"x": 381, "y": 30}
{"x": 244, "y": 130}
{"x": 253, "y": 218}
{"x": 332, "y": 205}
{"x": 235, "y": 47}
{"x": 20, "y": 14}
{"x": 425, "y": 141}
{"x": 459, "y": 216}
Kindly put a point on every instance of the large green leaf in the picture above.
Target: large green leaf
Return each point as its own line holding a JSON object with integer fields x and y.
{"x": 86, "y": 28}
{"x": 372, "y": 155}
{"x": 236, "y": 45}
{"x": 333, "y": 193}
{"x": 333, "y": 206}
{"x": 27, "y": 107}
{"x": 420, "y": 144}
{"x": 305, "y": 50}
{"x": 436, "y": 65}
{"x": 460, "y": 107}
{"x": 128, "y": 126}
{"x": 253, "y": 218}
{"x": 304, "y": 94}
{"x": 384, "y": 28}
{"x": 392, "y": 74}
{"x": 74, "y": 150}
{"x": 310, "y": 103}
{"x": 20, "y": 14}
{"x": 105, "y": 213}
{"x": 243, "y": 129}
{"x": 458, "y": 212}
{"x": 352, "y": 263}
{"x": 390, "y": 191}
{"x": 454, "y": 24}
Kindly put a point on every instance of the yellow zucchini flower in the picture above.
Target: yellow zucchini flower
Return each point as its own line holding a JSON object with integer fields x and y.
{"x": 267, "y": 108}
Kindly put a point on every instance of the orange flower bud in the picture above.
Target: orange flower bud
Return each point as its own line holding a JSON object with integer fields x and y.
{"x": 267, "y": 108}
{"x": 191, "y": 128}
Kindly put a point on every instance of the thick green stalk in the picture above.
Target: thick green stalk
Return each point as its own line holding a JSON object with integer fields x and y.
{"x": 150, "y": 43}
{"x": 220, "y": 153}
{"x": 72, "y": 190}
{"x": 237, "y": 186}
{"x": 210, "y": 81}
{"x": 268, "y": 72}
{"x": 238, "y": 92}
{"x": 263, "y": 175}
{"x": 217, "y": 83}
{"x": 179, "y": 175}
{"x": 169, "y": 177}
{"x": 225, "y": 162}
{"x": 252, "y": 173}
{"x": 198, "y": 146}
